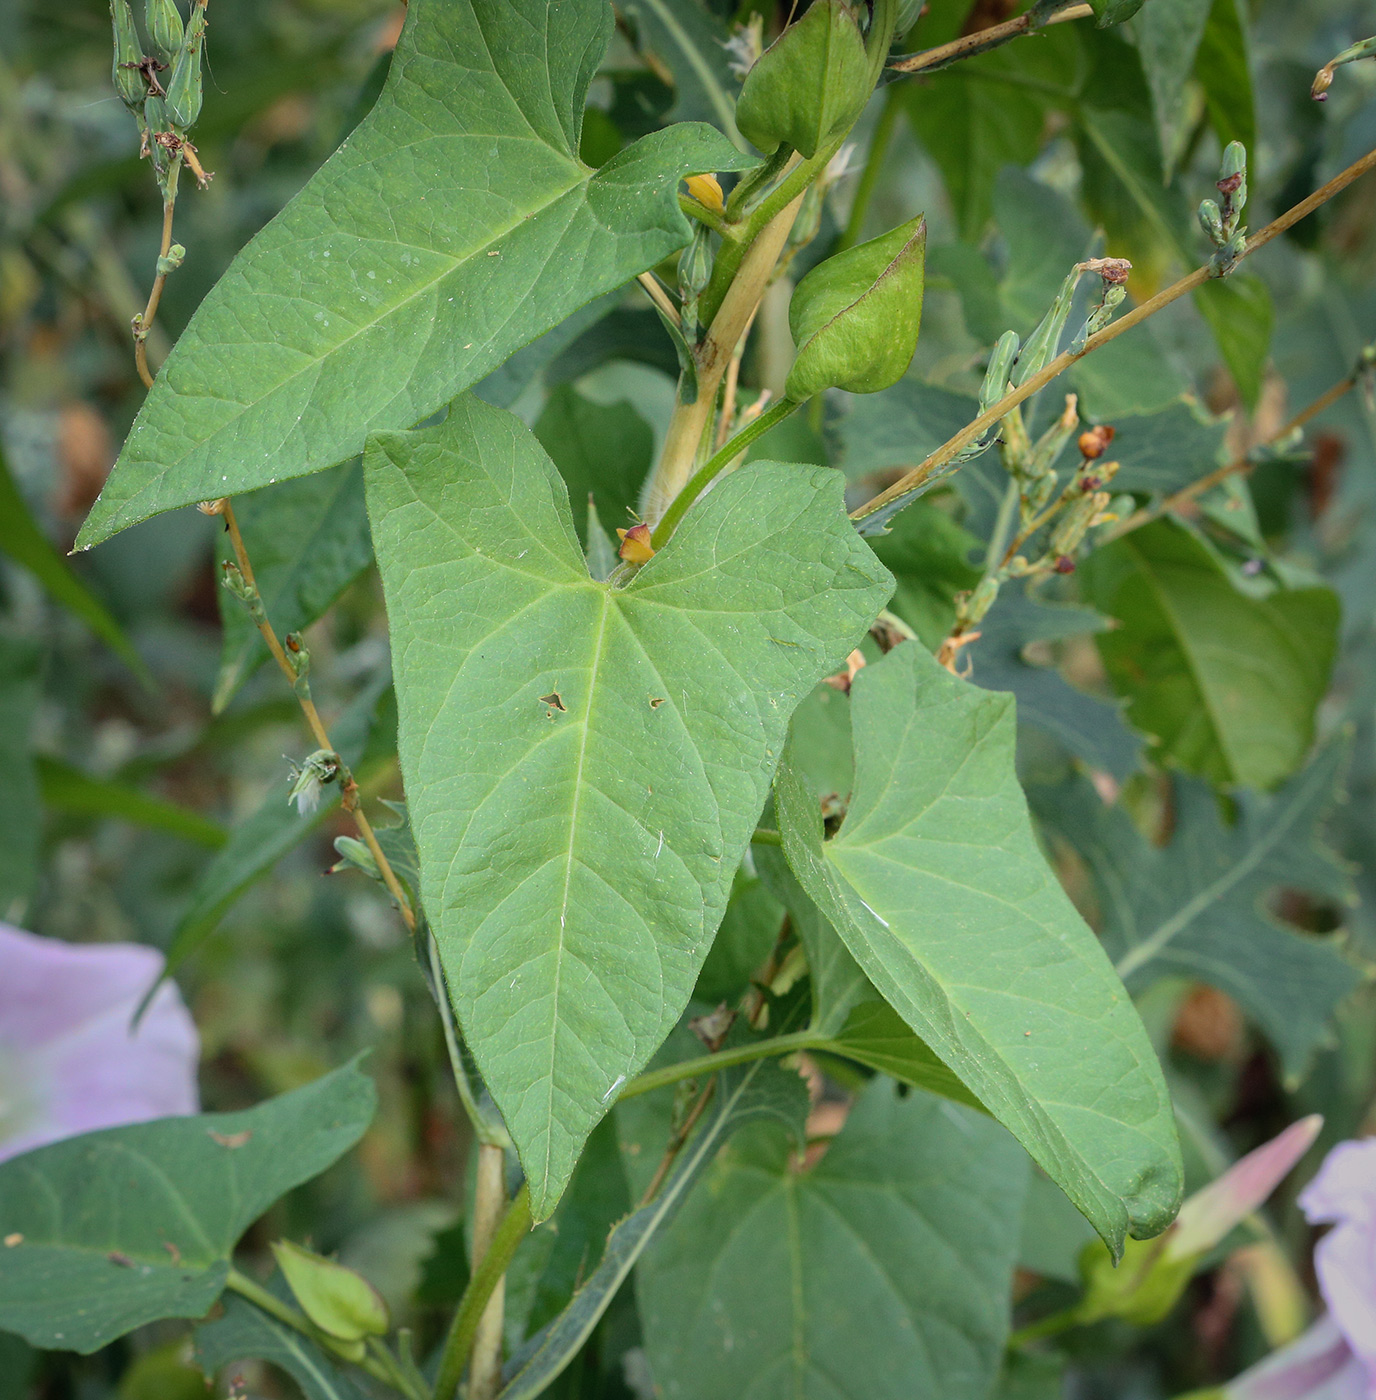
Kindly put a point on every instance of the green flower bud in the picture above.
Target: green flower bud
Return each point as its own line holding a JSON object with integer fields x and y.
{"x": 1234, "y": 161}
{"x": 908, "y": 11}
{"x": 340, "y": 1302}
{"x": 1211, "y": 221}
{"x": 995, "y": 384}
{"x": 695, "y": 264}
{"x": 810, "y": 83}
{"x": 855, "y": 317}
{"x": 128, "y": 55}
{"x": 164, "y": 23}
{"x": 184, "y": 86}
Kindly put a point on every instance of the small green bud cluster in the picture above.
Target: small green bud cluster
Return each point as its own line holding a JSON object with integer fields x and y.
{"x": 164, "y": 114}
{"x": 1221, "y": 221}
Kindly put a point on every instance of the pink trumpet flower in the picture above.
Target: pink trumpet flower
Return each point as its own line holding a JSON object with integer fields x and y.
{"x": 1336, "y": 1358}
{"x": 70, "y": 1061}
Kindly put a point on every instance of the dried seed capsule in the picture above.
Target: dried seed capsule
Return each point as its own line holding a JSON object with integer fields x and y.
{"x": 128, "y": 55}
{"x": 810, "y": 83}
{"x": 184, "y": 86}
{"x": 165, "y": 28}
{"x": 855, "y": 317}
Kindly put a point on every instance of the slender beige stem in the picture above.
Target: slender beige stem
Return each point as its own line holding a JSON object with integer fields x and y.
{"x": 982, "y": 39}
{"x": 489, "y": 1205}
{"x": 1135, "y": 317}
{"x": 1240, "y": 466}
{"x": 676, "y": 1142}
{"x": 154, "y": 297}
{"x": 658, "y": 295}
{"x": 691, "y": 420}
{"x": 733, "y": 374}
{"x": 349, "y": 799}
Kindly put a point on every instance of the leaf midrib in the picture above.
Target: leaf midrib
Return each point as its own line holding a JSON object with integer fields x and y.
{"x": 1166, "y": 932}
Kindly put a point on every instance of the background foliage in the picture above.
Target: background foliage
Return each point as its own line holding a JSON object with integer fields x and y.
{"x": 141, "y": 741}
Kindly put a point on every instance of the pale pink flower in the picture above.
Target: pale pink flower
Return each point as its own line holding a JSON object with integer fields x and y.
{"x": 70, "y": 1060}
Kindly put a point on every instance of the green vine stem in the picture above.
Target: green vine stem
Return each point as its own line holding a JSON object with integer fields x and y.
{"x": 716, "y": 463}
{"x": 938, "y": 459}
{"x": 514, "y": 1227}
{"x": 723, "y": 1059}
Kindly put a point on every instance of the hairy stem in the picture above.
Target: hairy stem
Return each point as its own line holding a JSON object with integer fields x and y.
{"x": 349, "y": 800}
{"x": 968, "y": 45}
{"x": 690, "y": 420}
{"x": 716, "y": 463}
{"x": 155, "y": 295}
{"x": 1135, "y": 317}
{"x": 489, "y": 1272}
{"x": 1242, "y": 465}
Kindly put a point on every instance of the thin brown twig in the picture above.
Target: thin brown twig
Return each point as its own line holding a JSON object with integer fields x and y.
{"x": 1135, "y": 317}
{"x": 982, "y": 39}
{"x": 155, "y": 295}
{"x": 1241, "y": 466}
{"x": 676, "y": 1142}
{"x": 728, "y": 393}
{"x": 349, "y": 797}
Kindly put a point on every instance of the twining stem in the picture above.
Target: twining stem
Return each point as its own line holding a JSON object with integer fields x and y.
{"x": 938, "y": 459}
{"x": 489, "y": 1272}
{"x": 720, "y": 459}
{"x": 676, "y": 1142}
{"x": 489, "y": 1206}
{"x": 723, "y": 1059}
{"x": 349, "y": 799}
{"x": 982, "y": 39}
{"x": 155, "y": 295}
{"x": 381, "y": 1365}
{"x": 690, "y": 420}
{"x": 1241, "y": 465}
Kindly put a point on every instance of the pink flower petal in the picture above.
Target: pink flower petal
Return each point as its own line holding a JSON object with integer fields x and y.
{"x": 1209, "y": 1214}
{"x": 70, "y": 1061}
{"x": 1316, "y": 1366}
{"x": 1345, "y": 1187}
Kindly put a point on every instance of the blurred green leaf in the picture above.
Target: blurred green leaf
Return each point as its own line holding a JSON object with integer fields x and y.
{"x": 1223, "y": 69}
{"x": 1241, "y": 315}
{"x": 879, "y": 1273}
{"x": 21, "y": 823}
{"x": 690, "y": 41}
{"x": 246, "y": 1333}
{"x": 601, "y": 451}
{"x": 414, "y": 267}
{"x": 1224, "y": 682}
{"x": 26, "y": 544}
{"x": 609, "y": 876}
{"x": 929, "y": 556}
{"x": 308, "y": 540}
{"x": 1198, "y": 906}
{"x": 748, "y": 931}
{"x": 121, "y": 1227}
{"x": 1161, "y": 452}
{"x": 937, "y": 840}
{"x": 69, "y": 790}
{"x": 751, "y": 1092}
{"x": 1168, "y": 34}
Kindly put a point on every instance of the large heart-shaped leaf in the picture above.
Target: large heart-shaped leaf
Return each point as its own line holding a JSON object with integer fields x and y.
{"x": 113, "y": 1229}
{"x": 585, "y": 764}
{"x": 937, "y": 887}
{"x": 880, "y": 1273}
{"x": 453, "y": 226}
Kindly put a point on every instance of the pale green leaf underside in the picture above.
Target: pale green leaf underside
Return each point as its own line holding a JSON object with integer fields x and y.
{"x": 454, "y": 225}
{"x": 880, "y": 1273}
{"x": 937, "y": 886}
{"x": 124, "y": 1226}
{"x": 576, "y": 861}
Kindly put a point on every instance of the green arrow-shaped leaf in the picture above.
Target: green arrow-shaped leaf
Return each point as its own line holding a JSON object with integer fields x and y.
{"x": 585, "y": 764}
{"x": 937, "y": 887}
{"x": 452, "y": 227}
{"x": 113, "y": 1229}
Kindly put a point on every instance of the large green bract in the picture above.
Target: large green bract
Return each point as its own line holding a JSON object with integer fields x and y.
{"x": 452, "y": 227}
{"x": 111, "y": 1230}
{"x": 585, "y": 764}
{"x": 937, "y": 887}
